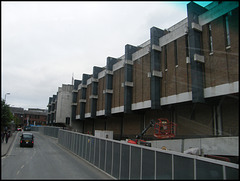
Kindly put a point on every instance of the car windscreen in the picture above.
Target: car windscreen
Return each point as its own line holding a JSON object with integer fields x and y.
{"x": 26, "y": 136}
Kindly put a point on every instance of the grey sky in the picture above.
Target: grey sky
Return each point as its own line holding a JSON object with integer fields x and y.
{"x": 44, "y": 43}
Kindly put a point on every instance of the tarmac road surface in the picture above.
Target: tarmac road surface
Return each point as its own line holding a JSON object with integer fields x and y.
{"x": 46, "y": 160}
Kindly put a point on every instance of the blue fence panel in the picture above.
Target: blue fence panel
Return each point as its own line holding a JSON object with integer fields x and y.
{"x": 92, "y": 149}
{"x": 232, "y": 173}
{"x": 96, "y": 157}
{"x": 124, "y": 172}
{"x": 148, "y": 164}
{"x": 127, "y": 161}
{"x": 109, "y": 157}
{"x": 116, "y": 160}
{"x": 102, "y": 154}
{"x": 183, "y": 167}
{"x": 207, "y": 170}
{"x": 163, "y": 166}
{"x": 135, "y": 169}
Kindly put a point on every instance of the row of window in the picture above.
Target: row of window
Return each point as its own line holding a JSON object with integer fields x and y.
{"x": 227, "y": 39}
{"x": 175, "y": 52}
{"x": 29, "y": 116}
{"x": 227, "y": 33}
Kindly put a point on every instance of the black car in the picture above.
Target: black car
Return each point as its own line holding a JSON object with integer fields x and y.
{"x": 27, "y": 139}
{"x": 27, "y": 128}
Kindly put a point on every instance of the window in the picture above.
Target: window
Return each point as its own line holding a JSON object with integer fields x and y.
{"x": 27, "y": 136}
{"x": 210, "y": 38}
{"x": 175, "y": 53}
{"x": 227, "y": 33}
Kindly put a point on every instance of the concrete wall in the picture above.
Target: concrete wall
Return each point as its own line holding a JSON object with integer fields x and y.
{"x": 64, "y": 103}
{"x": 228, "y": 146}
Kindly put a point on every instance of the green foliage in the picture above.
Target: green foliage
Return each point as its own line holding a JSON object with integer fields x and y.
{"x": 16, "y": 120}
{"x": 6, "y": 115}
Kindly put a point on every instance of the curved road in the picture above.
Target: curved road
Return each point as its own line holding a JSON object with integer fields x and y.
{"x": 46, "y": 160}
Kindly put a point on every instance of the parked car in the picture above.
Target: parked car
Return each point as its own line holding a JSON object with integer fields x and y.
{"x": 19, "y": 129}
{"x": 27, "y": 139}
{"x": 27, "y": 128}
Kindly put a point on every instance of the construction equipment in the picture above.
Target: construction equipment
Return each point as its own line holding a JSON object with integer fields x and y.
{"x": 163, "y": 128}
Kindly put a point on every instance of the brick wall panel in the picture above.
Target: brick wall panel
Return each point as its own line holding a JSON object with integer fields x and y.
{"x": 181, "y": 70}
{"x": 137, "y": 81}
{"x": 233, "y": 52}
{"x": 114, "y": 124}
{"x": 164, "y": 77}
{"x": 170, "y": 74}
{"x": 219, "y": 63}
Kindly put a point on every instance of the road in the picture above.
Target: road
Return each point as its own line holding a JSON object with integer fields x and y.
{"x": 46, "y": 160}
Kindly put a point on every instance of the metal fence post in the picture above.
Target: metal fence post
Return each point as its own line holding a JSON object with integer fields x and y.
{"x": 172, "y": 167}
{"x": 129, "y": 174}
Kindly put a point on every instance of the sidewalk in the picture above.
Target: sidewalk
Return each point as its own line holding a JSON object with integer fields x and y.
{"x": 6, "y": 146}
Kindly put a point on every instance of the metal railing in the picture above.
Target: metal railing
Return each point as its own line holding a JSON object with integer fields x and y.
{"x": 127, "y": 161}
{"x": 47, "y": 130}
{"x": 122, "y": 160}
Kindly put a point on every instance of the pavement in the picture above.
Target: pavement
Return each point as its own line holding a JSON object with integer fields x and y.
{"x": 5, "y": 147}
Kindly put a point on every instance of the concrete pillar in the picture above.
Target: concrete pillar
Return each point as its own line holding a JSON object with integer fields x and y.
{"x": 128, "y": 77}
{"x": 85, "y": 77}
{"x": 109, "y": 85}
{"x": 74, "y": 100}
{"x": 195, "y": 51}
{"x": 94, "y": 94}
{"x": 155, "y": 89}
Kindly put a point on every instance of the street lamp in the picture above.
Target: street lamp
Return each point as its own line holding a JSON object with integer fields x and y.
{"x": 6, "y": 96}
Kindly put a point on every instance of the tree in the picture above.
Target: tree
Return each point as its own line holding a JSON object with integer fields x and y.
{"x": 6, "y": 115}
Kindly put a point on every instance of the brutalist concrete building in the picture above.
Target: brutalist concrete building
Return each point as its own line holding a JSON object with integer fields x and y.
{"x": 187, "y": 73}
{"x": 60, "y": 106}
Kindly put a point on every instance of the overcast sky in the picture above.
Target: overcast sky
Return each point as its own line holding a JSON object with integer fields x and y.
{"x": 45, "y": 43}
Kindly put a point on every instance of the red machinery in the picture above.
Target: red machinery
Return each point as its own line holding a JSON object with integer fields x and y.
{"x": 163, "y": 128}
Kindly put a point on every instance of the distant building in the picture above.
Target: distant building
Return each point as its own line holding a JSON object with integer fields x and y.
{"x": 52, "y": 110}
{"x": 60, "y": 106}
{"x": 32, "y": 116}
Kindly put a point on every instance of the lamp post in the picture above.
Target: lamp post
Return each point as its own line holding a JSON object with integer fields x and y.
{"x": 6, "y": 96}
